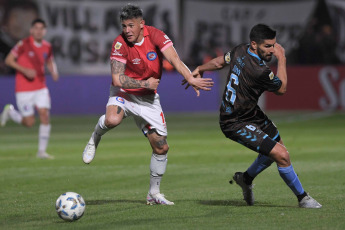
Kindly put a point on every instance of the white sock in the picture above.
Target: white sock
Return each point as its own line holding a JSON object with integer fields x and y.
{"x": 100, "y": 130}
{"x": 43, "y": 137}
{"x": 15, "y": 116}
{"x": 157, "y": 169}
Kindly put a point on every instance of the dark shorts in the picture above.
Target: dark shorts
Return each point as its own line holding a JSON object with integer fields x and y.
{"x": 257, "y": 137}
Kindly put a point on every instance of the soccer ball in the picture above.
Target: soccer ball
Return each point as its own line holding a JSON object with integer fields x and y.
{"x": 70, "y": 206}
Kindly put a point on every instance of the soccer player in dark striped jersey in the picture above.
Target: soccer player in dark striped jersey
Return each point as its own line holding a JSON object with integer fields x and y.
{"x": 241, "y": 118}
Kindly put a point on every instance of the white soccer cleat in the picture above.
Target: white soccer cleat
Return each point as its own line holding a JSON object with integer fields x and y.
{"x": 157, "y": 199}
{"x": 44, "y": 155}
{"x": 247, "y": 190}
{"x": 89, "y": 151}
{"x": 309, "y": 202}
{"x": 5, "y": 115}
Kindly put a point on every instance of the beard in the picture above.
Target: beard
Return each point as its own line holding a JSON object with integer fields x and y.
{"x": 267, "y": 57}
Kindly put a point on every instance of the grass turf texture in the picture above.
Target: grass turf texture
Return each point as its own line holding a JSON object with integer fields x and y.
{"x": 201, "y": 162}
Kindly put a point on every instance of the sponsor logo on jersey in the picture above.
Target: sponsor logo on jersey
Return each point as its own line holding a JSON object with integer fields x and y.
{"x": 120, "y": 99}
{"x": 118, "y": 45}
{"x": 227, "y": 58}
{"x": 136, "y": 61}
{"x": 116, "y": 53}
{"x": 31, "y": 53}
{"x": 271, "y": 76}
{"x": 151, "y": 55}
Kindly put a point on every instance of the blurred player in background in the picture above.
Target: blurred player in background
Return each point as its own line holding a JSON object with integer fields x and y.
{"x": 136, "y": 68}
{"x": 28, "y": 58}
{"x": 242, "y": 120}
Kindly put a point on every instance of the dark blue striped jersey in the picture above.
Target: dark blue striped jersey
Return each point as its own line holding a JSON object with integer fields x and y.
{"x": 248, "y": 78}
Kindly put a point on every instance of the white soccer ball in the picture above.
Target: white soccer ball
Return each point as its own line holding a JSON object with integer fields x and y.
{"x": 70, "y": 206}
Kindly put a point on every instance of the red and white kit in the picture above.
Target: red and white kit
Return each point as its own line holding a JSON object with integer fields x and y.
{"x": 143, "y": 60}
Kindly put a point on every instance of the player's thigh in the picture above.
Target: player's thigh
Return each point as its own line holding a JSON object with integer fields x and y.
{"x": 42, "y": 100}
{"x": 158, "y": 143}
{"x": 152, "y": 117}
{"x": 25, "y": 103}
{"x": 271, "y": 130}
{"x": 251, "y": 136}
{"x": 114, "y": 115}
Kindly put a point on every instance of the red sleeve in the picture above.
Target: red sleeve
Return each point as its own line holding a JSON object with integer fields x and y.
{"x": 160, "y": 39}
{"x": 119, "y": 51}
{"x": 18, "y": 49}
{"x": 50, "y": 54}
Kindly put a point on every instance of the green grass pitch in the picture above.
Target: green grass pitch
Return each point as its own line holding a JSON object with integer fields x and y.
{"x": 201, "y": 162}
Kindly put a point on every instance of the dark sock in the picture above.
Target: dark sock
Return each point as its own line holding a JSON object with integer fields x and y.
{"x": 247, "y": 179}
{"x": 300, "y": 197}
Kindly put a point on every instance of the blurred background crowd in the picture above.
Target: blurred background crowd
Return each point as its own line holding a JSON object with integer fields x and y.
{"x": 82, "y": 31}
{"x": 312, "y": 31}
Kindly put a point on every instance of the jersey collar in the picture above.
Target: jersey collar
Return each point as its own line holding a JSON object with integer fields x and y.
{"x": 253, "y": 54}
{"x": 145, "y": 33}
{"x": 37, "y": 44}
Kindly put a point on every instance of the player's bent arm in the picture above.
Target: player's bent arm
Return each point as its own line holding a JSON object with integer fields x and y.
{"x": 120, "y": 79}
{"x": 51, "y": 65}
{"x": 282, "y": 75}
{"x": 11, "y": 61}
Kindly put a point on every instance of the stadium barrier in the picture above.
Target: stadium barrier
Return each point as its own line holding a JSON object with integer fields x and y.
{"x": 89, "y": 94}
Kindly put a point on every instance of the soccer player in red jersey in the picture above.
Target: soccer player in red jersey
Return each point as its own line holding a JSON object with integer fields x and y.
{"x": 28, "y": 58}
{"x": 136, "y": 68}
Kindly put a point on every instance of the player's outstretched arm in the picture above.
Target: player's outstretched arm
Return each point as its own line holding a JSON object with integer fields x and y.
{"x": 214, "y": 64}
{"x": 120, "y": 79}
{"x": 198, "y": 83}
{"x": 279, "y": 52}
{"x": 11, "y": 61}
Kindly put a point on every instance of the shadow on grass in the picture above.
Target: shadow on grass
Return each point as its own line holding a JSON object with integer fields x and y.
{"x": 239, "y": 203}
{"x": 101, "y": 202}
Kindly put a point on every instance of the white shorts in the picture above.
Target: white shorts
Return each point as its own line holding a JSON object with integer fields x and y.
{"x": 146, "y": 110}
{"x": 27, "y": 101}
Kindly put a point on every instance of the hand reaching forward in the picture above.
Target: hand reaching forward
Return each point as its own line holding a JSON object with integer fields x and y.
{"x": 197, "y": 82}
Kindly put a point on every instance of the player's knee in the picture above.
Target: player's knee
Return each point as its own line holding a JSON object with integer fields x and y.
{"x": 112, "y": 121}
{"x": 162, "y": 149}
{"x": 284, "y": 158}
{"x": 28, "y": 123}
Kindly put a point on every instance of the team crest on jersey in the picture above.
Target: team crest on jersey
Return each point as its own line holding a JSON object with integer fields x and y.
{"x": 227, "y": 58}
{"x": 151, "y": 55}
{"x": 271, "y": 76}
{"x": 120, "y": 99}
{"x": 118, "y": 45}
{"x": 45, "y": 55}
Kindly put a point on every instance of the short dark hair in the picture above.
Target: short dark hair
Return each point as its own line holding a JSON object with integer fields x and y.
{"x": 38, "y": 20}
{"x": 130, "y": 11}
{"x": 261, "y": 32}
